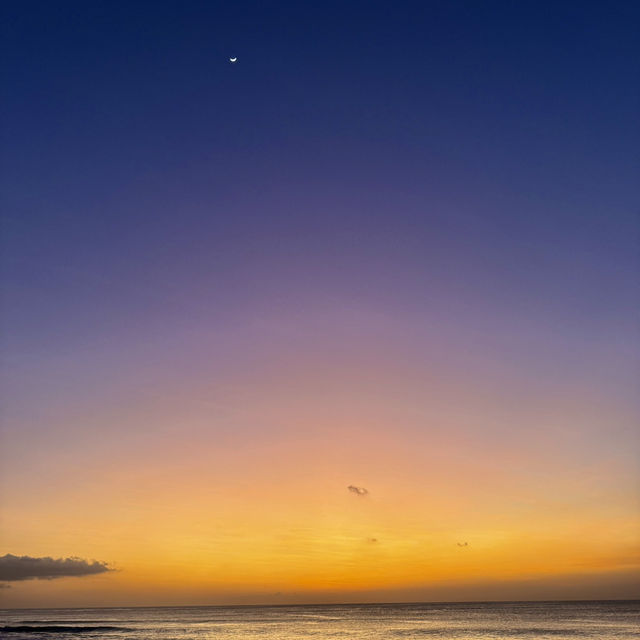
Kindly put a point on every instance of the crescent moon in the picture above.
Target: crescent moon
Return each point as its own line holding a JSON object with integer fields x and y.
{"x": 232, "y": 59}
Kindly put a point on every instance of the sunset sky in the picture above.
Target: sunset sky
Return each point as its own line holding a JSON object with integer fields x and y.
{"x": 393, "y": 247}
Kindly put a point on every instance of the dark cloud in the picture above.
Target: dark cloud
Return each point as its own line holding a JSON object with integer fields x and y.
{"x": 372, "y": 540}
{"x": 359, "y": 491}
{"x": 462, "y": 544}
{"x": 14, "y": 568}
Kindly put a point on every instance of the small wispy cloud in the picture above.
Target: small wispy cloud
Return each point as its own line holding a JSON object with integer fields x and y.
{"x": 14, "y": 568}
{"x": 462, "y": 544}
{"x": 359, "y": 491}
{"x": 372, "y": 540}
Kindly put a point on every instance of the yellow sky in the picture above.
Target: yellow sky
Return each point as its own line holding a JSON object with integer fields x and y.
{"x": 198, "y": 490}
{"x": 185, "y": 520}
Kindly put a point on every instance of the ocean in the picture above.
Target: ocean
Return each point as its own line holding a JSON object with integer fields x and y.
{"x": 605, "y": 620}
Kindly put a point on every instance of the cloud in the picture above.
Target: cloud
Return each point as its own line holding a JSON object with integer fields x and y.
{"x": 372, "y": 540}
{"x": 13, "y": 568}
{"x": 359, "y": 491}
{"x": 462, "y": 544}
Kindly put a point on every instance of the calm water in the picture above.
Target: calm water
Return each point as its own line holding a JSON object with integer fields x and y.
{"x": 557, "y": 620}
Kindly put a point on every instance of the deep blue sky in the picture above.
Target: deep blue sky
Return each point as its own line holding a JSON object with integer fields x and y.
{"x": 360, "y": 147}
{"x": 475, "y": 158}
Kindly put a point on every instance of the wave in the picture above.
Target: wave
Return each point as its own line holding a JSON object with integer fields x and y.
{"x": 68, "y": 622}
{"x": 535, "y": 632}
{"x": 58, "y": 629}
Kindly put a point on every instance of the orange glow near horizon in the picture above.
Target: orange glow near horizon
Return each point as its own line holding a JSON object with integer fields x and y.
{"x": 238, "y": 514}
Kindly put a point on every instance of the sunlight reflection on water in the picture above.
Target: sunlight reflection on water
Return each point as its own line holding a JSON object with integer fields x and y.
{"x": 478, "y": 621}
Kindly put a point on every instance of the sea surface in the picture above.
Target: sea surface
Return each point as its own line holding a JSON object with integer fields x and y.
{"x": 606, "y": 620}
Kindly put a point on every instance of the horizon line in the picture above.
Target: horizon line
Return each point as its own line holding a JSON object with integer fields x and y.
{"x": 324, "y": 604}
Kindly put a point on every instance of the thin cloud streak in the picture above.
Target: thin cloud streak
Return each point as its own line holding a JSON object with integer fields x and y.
{"x": 14, "y": 568}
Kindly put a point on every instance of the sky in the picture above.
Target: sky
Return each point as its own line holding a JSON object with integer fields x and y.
{"x": 394, "y": 247}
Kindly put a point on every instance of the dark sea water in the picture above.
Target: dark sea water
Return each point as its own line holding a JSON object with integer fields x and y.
{"x": 478, "y": 621}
